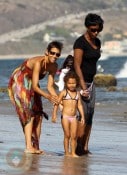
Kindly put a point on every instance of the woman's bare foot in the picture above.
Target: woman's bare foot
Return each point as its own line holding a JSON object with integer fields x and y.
{"x": 35, "y": 143}
{"x": 41, "y": 151}
{"x": 87, "y": 152}
{"x": 32, "y": 151}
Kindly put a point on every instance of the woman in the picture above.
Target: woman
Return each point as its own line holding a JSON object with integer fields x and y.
{"x": 25, "y": 93}
{"x": 86, "y": 54}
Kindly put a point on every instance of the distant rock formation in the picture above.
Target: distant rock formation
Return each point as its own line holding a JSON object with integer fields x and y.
{"x": 105, "y": 80}
{"x": 3, "y": 90}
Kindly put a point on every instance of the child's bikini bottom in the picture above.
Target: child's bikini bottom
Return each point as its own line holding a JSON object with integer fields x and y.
{"x": 70, "y": 118}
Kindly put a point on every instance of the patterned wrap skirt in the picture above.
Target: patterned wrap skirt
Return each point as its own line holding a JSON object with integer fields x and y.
{"x": 27, "y": 103}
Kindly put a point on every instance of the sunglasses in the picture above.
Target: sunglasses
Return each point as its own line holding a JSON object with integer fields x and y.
{"x": 95, "y": 30}
{"x": 54, "y": 53}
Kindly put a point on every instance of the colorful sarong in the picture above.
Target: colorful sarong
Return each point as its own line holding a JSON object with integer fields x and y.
{"x": 27, "y": 103}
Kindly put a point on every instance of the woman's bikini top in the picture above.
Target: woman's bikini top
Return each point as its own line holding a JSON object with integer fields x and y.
{"x": 68, "y": 96}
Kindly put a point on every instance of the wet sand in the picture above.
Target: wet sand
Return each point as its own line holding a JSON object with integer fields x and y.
{"x": 108, "y": 144}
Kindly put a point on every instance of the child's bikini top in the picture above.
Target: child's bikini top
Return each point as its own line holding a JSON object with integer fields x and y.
{"x": 68, "y": 96}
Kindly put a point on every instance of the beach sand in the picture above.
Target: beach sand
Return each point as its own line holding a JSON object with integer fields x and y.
{"x": 108, "y": 144}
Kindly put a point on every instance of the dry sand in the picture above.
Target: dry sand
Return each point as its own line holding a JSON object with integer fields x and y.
{"x": 108, "y": 144}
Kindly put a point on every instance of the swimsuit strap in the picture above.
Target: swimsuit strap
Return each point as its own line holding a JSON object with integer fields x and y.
{"x": 45, "y": 63}
{"x": 24, "y": 66}
{"x": 68, "y": 96}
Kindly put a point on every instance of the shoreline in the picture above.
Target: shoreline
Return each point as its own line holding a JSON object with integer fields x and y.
{"x": 24, "y": 56}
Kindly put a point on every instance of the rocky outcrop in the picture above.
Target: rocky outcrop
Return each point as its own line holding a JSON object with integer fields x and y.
{"x": 105, "y": 80}
{"x": 3, "y": 90}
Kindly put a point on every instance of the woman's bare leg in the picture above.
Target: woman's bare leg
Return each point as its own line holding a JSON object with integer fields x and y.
{"x": 28, "y": 133}
{"x": 36, "y": 132}
{"x": 87, "y": 137}
{"x": 80, "y": 138}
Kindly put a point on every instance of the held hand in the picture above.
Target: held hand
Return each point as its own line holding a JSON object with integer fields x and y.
{"x": 85, "y": 93}
{"x": 54, "y": 119}
{"x": 53, "y": 99}
{"x": 82, "y": 121}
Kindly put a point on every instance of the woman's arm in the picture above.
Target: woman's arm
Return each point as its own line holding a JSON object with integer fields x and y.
{"x": 78, "y": 53}
{"x": 55, "y": 108}
{"x": 35, "y": 83}
{"x": 80, "y": 108}
{"x": 35, "y": 80}
{"x": 50, "y": 83}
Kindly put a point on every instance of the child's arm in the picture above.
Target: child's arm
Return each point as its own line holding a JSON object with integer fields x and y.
{"x": 55, "y": 108}
{"x": 80, "y": 109}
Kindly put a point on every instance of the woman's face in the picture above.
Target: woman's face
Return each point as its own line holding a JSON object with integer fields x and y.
{"x": 93, "y": 31}
{"x": 53, "y": 54}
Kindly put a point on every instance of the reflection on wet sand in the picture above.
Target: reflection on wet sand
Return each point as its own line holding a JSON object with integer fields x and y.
{"x": 75, "y": 166}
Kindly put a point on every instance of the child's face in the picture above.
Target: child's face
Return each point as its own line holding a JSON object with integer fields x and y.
{"x": 71, "y": 84}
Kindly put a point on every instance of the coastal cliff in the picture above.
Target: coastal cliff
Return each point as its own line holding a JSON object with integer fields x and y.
{"x": 26, "y": 24}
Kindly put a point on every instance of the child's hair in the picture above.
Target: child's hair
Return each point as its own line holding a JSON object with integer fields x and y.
{"x": 68, "y": 62}
{"x": 69, "y": 75}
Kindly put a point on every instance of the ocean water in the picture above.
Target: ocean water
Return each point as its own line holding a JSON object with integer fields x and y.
{"x": 116, "y": 65}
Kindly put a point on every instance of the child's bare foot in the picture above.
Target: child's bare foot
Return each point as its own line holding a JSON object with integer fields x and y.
{"x": 67, "y": 154}
{"x": 74, "y": 155}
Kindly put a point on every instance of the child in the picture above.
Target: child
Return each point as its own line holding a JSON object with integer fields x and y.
{"x": 66, "y": 67}
{"x": 71, "y": 102}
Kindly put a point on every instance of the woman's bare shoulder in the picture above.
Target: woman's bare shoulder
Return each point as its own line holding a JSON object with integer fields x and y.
{"x": 34, "y": 60}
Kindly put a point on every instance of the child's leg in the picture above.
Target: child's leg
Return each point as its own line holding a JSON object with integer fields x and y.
{"x": 73, "y": 128}
{"x": 65, "y": 125}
